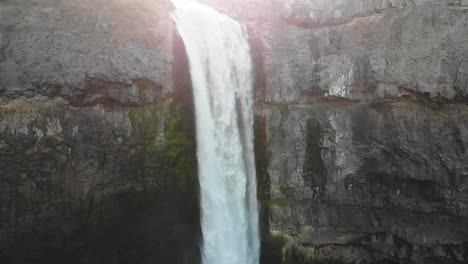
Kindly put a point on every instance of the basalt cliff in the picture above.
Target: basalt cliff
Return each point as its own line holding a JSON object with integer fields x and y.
{"x": 361, "y": 131}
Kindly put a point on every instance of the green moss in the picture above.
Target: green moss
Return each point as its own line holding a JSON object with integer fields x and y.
{"x": 147, "y": 139}
{"x": 262, "y": 161}
{"x": 435, "y": 104}
{"x": 290, "y": 252}
{"x": 180, "y": 150}
{"x": 315, "y": 255}
{"x": 30, "y": 151}
{"x": 283, "y": 243}
{"x": 145, "y": 120}
{"x": 163, "y": 146}
{"x": 313, "y": 169}
{"x": 261, "y": 158}
{"x": 287, "y": 191}
{"x": 280, "y": 202}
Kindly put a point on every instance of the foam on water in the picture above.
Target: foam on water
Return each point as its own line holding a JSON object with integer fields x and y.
{"x": 221, "y": 70}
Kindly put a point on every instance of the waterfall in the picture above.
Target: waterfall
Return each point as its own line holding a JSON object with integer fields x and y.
{"x": 221, "y": 71}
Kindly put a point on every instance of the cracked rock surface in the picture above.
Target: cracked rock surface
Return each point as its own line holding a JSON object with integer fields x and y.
{"x": 369, "y": 183}
{"x": 88, "y": 116}
{"x": 87, "y": 51}
{"x": 361, "y": 131}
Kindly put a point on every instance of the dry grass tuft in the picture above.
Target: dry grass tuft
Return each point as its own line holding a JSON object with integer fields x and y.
{"x": 17, "y": 106}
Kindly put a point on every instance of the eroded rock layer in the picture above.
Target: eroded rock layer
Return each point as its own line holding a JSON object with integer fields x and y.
{"x": 362, "y": 112}
{"x": 97, "y": 150}
{"x": 368, "y": 183}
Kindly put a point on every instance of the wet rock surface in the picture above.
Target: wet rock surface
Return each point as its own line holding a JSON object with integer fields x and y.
{"x": 95, "y": 184}
{"x": 97, "y": 160}
{"x": 363, "y": 120}
{"x": 361, "y": 183}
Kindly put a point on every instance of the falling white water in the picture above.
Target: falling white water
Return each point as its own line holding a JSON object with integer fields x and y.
{"x": 221, "y": 71}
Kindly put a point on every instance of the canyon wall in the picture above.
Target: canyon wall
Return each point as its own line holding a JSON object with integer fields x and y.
{"x": 362, "y": 112}
{"x": 361, "y": 131}
{"x": 97, "y": 150}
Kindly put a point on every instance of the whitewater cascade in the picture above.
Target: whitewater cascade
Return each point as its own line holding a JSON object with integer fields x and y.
{"x": 221, "y": 71}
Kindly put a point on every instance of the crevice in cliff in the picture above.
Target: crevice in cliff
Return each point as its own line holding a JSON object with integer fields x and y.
{"x": 257, "y": 51}
{"x": 184, "y": 98}
{"x": 314, "y": 173}
{"x": 263, "y": 189}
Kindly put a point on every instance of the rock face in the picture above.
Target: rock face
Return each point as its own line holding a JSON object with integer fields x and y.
{"x": 369, "y": 183}
{"x": 97, "y": 161}
{"x": 88, "y": 185}
{"x": 362, "y": 115}
{"x": 87, "y": 51}
{"x": 398, "y": 52}
{"x": 358, "y": 49}
{"x": 361, "y": 132}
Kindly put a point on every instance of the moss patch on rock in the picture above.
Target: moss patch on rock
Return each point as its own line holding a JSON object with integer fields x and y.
{"x": 24, "y": 106}
{"x": 282, "y": 248}
{"x": 276, "y": 248}
{"x": 162, "y": 147}
{"x": 280, "y": 202}
{"x": 180, "y": 148}
{"x": 261, "y": 158}
{"x": 434, "y": 104}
